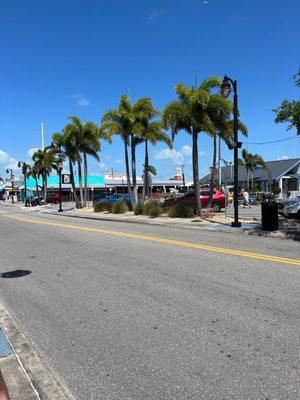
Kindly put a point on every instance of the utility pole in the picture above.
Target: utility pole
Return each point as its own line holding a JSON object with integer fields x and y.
{"x": 43, "y": 135}
{"x": 183, "y": 177}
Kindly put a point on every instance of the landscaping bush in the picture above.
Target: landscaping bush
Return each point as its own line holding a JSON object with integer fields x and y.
{"x": 154, "y": 211}
{"x": 120, "y": 207}
{"x": 183, "y": 209}
{"x": 139, "y": 209}
{"x": 129, "y": 205}
{"x": 149, "y": 205}
{"x": 102, "y": 206}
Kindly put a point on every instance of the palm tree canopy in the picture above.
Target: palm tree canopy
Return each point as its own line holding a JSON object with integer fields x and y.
{"x": 196, "y": 108}
{"x": 128, "y": 119}
{"x": 44, "y": 161}
{"x": 251, "y": 160}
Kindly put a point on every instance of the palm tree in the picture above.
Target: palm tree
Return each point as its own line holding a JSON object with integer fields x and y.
{"x": 250, "y": 161}
{"x": 33, "y": 171}
{"x": 127, "y": 121}
{"x": 138, "y": 113}
{"x": 67, "y": 141}
{"x": 194, "y": 112}
{"x": 152, "y": 133}
{"x": 225, "y": 133}
{"x": 87, "y": 139}
{"x": 44, "y": 163}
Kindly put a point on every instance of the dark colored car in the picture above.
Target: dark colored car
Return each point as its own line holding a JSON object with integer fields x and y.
{"x": 218, "y": 199}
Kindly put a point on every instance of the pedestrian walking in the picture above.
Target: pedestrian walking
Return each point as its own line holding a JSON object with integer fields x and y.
{"x": 245, "y": 196}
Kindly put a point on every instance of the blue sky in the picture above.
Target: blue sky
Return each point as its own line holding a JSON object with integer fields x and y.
{"x": 60, "y": 58}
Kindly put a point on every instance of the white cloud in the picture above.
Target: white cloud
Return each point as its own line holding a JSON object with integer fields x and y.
{"x": 81, "y": 99}
{"x": 177, "y": 156}
{"x": 6, "y": 161}
{"x": 282, "y": 158}
{"x": 30, "y": 152}
{"x": 118, "y": 161}
{"x": 154, "y": 14}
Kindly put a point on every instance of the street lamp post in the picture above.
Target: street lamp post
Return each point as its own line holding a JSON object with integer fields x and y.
{"x": 12, "y": 182}
{"x": 20, "y": 164}
{"x": 225, "y": 91}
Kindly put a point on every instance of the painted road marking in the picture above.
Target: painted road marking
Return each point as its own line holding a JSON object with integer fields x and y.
{"x": 163, "y": 240}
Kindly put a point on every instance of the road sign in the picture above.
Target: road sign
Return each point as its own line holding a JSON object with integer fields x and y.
{"x": 66, "y": 179}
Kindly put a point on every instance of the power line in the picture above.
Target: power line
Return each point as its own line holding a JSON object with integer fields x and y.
{"x": 274, "y": 141}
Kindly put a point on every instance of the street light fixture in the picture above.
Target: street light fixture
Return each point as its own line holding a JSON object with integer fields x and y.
{"x": 12, "y": 182}
{"x": 225, "y": 92}
{"x": 25, "y": 166}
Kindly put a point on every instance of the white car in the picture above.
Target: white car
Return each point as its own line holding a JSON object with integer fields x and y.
{"x": 290, "y": 208}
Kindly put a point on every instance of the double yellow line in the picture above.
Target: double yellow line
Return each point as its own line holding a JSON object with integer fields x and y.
{"x": 162, "y": 240}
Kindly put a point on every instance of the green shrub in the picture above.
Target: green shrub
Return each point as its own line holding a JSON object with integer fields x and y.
{"x": 139, "y": 209}
{"x": 154, "y": 211}
{"x": 150, "y": 204}
{"x": 120, "y": 207}
{"x": 183, "y": 209}
{"x": 102, "y": 206}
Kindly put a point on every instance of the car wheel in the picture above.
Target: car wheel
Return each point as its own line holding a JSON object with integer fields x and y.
{"x": 216, "y": 207}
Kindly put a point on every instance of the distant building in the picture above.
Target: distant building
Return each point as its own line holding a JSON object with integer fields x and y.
{"x": 283, "y": 175}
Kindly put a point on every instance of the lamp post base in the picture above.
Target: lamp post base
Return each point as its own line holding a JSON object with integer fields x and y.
{"x": 60, "y": 210}
{"x": 236, "y": 224}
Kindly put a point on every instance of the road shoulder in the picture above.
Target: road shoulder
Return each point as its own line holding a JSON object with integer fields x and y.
{"x": 23, "y": 371}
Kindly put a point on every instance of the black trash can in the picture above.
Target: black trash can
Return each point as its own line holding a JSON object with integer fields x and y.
{"x": 269, "y": 215}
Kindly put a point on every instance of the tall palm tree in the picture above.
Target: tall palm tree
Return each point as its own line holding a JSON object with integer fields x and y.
{"x": 250, "y": 161}
{"x": 152, "y": 133}
{"x": 138, "y": 113}
{"x": 87, "y": 138}
{"x": 127, "y": 121}
{"x": 225, "y": 133}
{"x": 67, "y": 142}
{"x": 44, "y": 163}
{"x": 194, "y": 112}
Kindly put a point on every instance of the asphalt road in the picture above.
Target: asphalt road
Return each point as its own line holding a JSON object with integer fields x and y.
{"x": 119, "y": 315}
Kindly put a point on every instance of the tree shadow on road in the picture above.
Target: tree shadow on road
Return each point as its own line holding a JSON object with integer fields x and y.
{"x": 18, "y": 273}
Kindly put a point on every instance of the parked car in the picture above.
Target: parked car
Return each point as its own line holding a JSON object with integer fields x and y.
{"x": 114, "y": 198}
{"x": 53, "y": 198}
{"x": 290, "y": 208}
{"x": 218, "y": 199}
{"x": 101, "y": 197}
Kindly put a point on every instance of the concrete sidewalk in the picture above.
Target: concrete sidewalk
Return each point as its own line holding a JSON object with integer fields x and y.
{"x": 23, "y": 372}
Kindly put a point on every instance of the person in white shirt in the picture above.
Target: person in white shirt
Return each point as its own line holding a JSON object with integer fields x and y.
{"x": 245, "y": 195}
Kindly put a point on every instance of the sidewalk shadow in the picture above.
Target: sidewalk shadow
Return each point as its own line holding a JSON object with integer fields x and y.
{"x": 18, "y": 273}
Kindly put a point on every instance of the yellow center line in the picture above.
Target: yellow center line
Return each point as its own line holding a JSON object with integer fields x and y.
{"x": 157, "y": 239}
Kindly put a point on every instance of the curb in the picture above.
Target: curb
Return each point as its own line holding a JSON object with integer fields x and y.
{"x": 244, "y": 231}
{"x": 43, "y": 381}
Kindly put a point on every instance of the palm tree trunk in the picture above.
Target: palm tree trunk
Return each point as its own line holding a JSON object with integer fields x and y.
{"x": 146, "y": 172}
{"x": 80, "y": 183}
{"x": 85, "y": 179}
{"x": 127, "y": 171}
{"x": 73, "y": 182}
{"x": 45, "y": 188}
{"x": 212, "y": 175}
{"x": 252, "y": 181}
{"x": 37, "y": 187}
{"x": 248, "y": 178}
{"x": 196, "y": 173}
{"x": 133, "y": 167}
